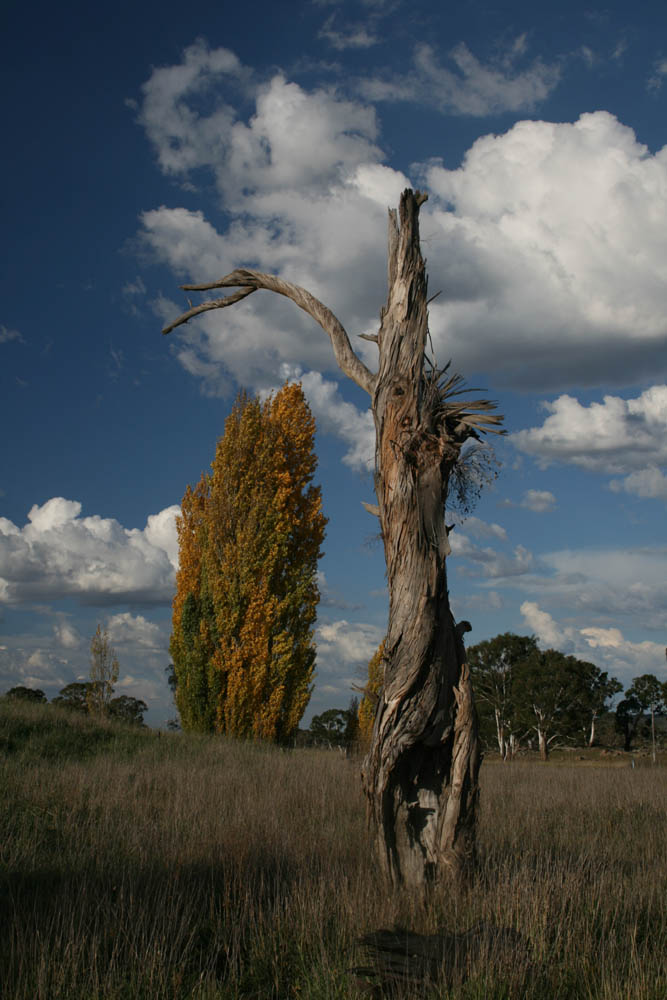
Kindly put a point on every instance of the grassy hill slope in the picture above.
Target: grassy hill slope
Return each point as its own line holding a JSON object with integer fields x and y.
{"x": 43, "y": 732}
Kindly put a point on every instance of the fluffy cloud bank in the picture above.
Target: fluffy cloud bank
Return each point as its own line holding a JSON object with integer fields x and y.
{"x": 613, "y": 436}
{"x": 60, "y": 554}
{"x": 555, "y": 252}
{"x": 489, "y": 561}
{"x": 549, "y": 242}
{"x": 623, "y": 587}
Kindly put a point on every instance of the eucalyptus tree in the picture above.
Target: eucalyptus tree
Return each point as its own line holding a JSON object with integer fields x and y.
{"x": 600, "y": 690}
{"x": 646, "y": 694}
{"x": 421, "y": 772}
{"x": 494, "y": 665}
{"x": 21, "y": 693}
{"x": 128, "y": 709}
{"x": 552, "y": 696}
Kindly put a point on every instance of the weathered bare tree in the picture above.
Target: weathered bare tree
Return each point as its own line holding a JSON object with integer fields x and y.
{"x": 421, "y": 772}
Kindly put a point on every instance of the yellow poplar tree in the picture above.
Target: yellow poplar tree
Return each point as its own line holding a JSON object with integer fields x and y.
{"x": 247, "y": 592}
{"x": 368, "y": 704}
{"x": 191, "y": 644}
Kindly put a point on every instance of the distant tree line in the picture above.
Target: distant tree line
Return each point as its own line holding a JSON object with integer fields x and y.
{"x": 75, "y": 697}
{"x": 532, "y": 698}
{"x": 93, "y": 697}
{"x": 528, "y": 696}
{"x": 336, "y": 727}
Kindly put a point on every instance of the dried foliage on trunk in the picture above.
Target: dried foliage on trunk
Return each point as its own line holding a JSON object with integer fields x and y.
{"x": 420, "y": 775}
{"x": 250, "y": 537}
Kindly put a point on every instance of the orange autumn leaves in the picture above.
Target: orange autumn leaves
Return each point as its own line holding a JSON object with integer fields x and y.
{"x": 250, "y": 535}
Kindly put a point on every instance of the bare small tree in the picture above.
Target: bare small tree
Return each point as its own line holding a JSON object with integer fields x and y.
{"x": 104, "y": 670}
{"x": 420, "y": 775}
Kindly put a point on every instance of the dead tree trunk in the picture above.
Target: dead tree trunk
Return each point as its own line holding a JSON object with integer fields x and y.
{"x": 420, "y": 775}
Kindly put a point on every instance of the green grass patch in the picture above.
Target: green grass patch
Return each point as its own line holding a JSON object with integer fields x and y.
{"x": 34, "y": 732}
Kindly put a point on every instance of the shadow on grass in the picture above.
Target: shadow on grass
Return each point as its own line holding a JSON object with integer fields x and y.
{"x": 146, "y": 932}
{"x": 400, "y": 962}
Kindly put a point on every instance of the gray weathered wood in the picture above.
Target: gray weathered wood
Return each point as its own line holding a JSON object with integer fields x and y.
{"x": 421, "y": 772}
{"x": 250, "y": 281}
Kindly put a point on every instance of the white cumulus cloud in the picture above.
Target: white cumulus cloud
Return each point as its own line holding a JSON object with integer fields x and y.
{"x": 543, "y": 625}
{"x": 648, "y": 483}
{"x": 60, "y": 554}
{"x": 615, "y": 436}
{"x": 551, "y": 240}
{"x": 182, "y": 137}
{"x": 125, "y": 627}
{"x": 541, "y": 501}
{"x": 66, "y": 635}
{"x": 343, "y": 644}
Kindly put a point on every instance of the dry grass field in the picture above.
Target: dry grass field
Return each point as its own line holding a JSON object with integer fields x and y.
{"x": 135, "y": 867}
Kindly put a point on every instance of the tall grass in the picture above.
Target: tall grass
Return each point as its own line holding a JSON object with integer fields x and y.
{"x": 198, "y": 867}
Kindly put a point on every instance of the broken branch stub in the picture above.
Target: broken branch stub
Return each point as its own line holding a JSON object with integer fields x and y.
{"x": 250, "y": 281}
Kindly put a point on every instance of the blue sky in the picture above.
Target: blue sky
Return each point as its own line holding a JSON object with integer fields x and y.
{"x": 143, "y": 151}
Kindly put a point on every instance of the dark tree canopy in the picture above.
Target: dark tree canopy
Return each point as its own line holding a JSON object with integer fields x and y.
{"x": 20, "y": 693}
{"x": 552, "y": 692}
{"x": 493, "y": 664}
{"x": 128, "y": 709}
{"x": 645, "y": 695}
{"x": 330, "y": 727}
{"x": 74, "y": 696}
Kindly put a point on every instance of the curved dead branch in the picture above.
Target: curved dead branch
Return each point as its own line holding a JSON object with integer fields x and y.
{"x": 249, "y": 281}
